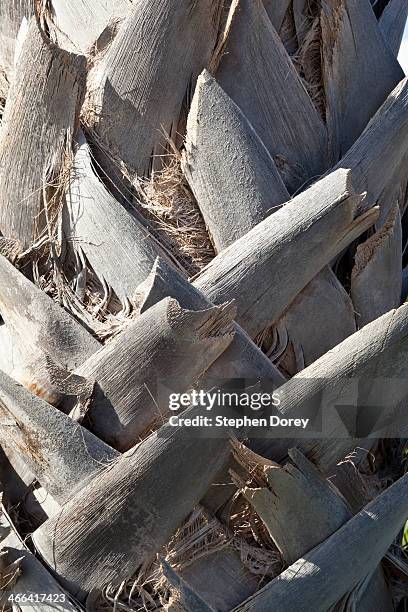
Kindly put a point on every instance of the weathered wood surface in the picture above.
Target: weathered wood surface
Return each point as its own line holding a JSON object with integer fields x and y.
{"x": 242, "y": 359}
{"x": 344, "y": 561}
{"x": 33, "y": 578}
{"x": 142, "y": 81}
{"x": 368, "y": 369}
{"x": 377, "y": 156}
{"x": 12, "y": 14}
{"x": 376, "y": 278}
{"x": 77, "y": 25}
{"x": 186, "y": 596}
{"x": 266, "y": 269}
{"x": 221, "y": 579}
{"x": 350, "y": 40}
{"x": 392, "y": 23}
{"x": 297, "y": 487}
{"x": 39, "y": 322}
{"x": 276, "y": 10}
{"x": 34, "y": 430}
{"x": 138, "y": 489}
{"x": 257, "y": 73}
{"x": 232, "y": 175}
{"x": 329, "y": 313}
{"x": 119, "y": 249}
{"x": 41, "y": 114}
{"x": 164, "y": 351}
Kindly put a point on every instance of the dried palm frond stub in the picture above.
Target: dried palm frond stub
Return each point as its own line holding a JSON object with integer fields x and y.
{"x": 21, "y": 573}
{"x": 392, "y": 23}
{"x": 350, "y": 40}
{"x": 365, "y": 371}
{"x": 78, "y": 26}
{"x": 138, "y": 89}
{"x": 233, "y": 177}
{"x": 376, "y": 278}
{"x": 343, "y": 563}
{"x": 36, "y": 321}
{"x": 164, "y": 351}
{"x": 89, "y": 544}
{"x": 119, "y": 249}
{"x": 33, "y": 430}
{"x": 40, "y": 117}
{"x": 257, "y": 73}
{"x": 293, "y": 244}
{"x": 242, "y": 359}
{"x": 377, "y": 160}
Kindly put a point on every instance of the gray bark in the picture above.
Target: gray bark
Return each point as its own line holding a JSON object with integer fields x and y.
{"x": 297, "y": 485}
{"x": 376, "y": 279}
{"x": 143, "y": 79}
{"x": 350, "y": 40}
{"x": 242, "y": 359}
{"x": 233, "y": 177}
{"x": 257, "y": 73}
{"x": 78, "y": 24}
{"x": 392, "y": 23}
{"x": 379, "y": 154}
{"x": 344, "y": 561}
{"x": 164, "y": 351}
{"x": 38, "y": 323}
{"x": 367, "y": 369}
{"x": 119, "y": 249}
{"x": 276, "y": 10}
{"x": 33, "y": 430}
{"x": 269, "y": 266}
{"x": 187, "y": 597}
{"x": 138, "y": 490}
{"x": 41, "y": 114}
{"x": 329, "y": 313}
{"x": 33, "y": 579}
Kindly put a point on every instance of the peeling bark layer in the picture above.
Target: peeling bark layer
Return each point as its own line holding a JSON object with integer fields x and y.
{"x": 376, "y": 279}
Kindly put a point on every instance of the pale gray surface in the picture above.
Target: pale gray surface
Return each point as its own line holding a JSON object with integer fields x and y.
{"x": 79, "y": 23}
{"x": 164, "y": 351}
{"x": 37, "y": 323}
{"x": 376, "y": 279}
{"x": 266, "y": 269}
{"x": 118, "y": 248}
{"x": 233, "y": 177}
{"x": 41, "y": 114}
{"x": 60, "y": 453}
{"x": 359, "y": 70}
{"x": 146, "y": 74}
{"x": 257, "y": 73}
{"x": 322, "y": 577}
